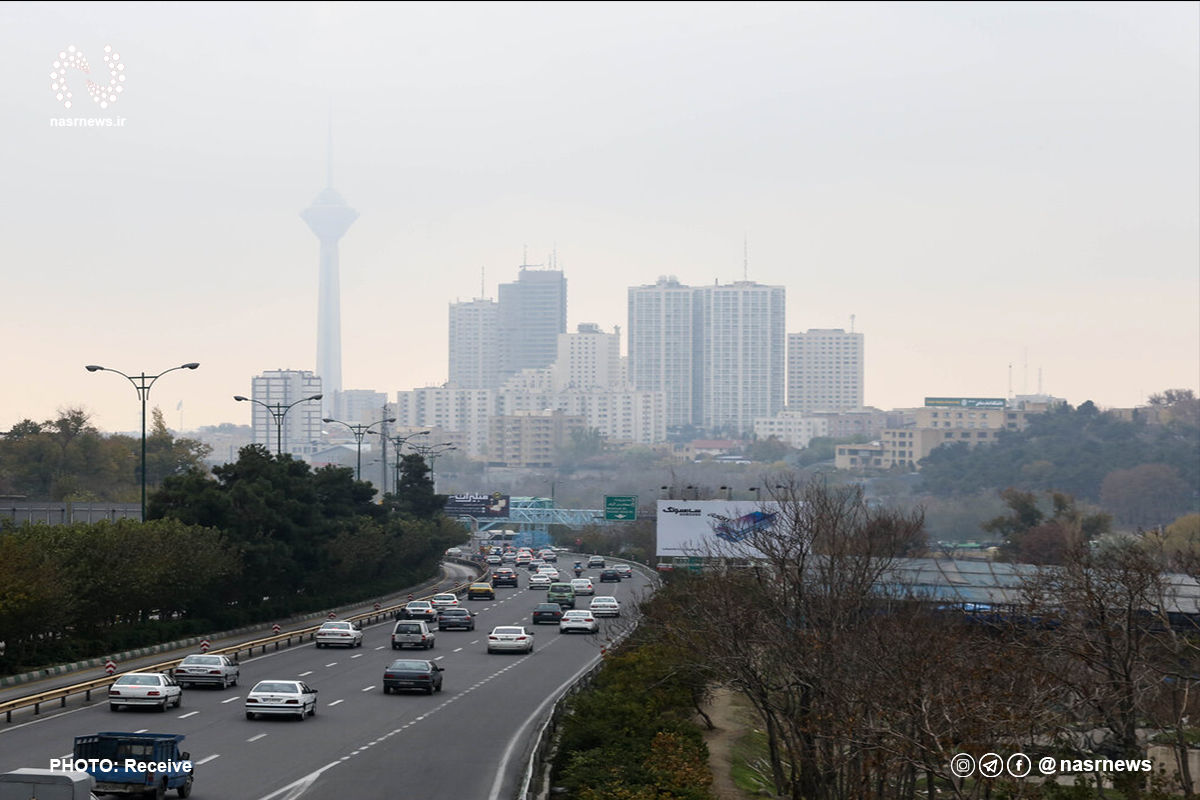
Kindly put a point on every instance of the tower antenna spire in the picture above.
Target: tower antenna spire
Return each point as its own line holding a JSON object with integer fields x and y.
{"x": 329, "y": 151}
{"x": 481, "y": 283}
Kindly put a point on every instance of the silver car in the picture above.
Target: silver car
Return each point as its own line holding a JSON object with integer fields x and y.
{"x": 346, "y": 634}
{"x": 578, "y": 621}
{"x": 215, "y": 670}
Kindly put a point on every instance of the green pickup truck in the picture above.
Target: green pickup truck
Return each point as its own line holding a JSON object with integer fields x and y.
{"x": 145, "y": 764}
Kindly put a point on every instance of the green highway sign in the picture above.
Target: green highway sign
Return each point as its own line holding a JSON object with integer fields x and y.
{"x": 620, "y": 506}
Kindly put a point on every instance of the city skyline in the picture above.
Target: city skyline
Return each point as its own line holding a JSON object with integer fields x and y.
{"x": 1000, "y": 195}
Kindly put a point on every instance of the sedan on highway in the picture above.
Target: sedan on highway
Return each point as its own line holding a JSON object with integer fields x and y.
{"x": 582, "y": 586}
{"x": 583, "y": 621}
{"x": 624, "y": 570}
{"x": 504, "y": 576}
{"x": 510, "y": 639}
{"x": 547, "y": 612}
{"x": 145, "y": 689}
{"x": 481, "y": 591}
{"x": 605, "y": 607}
{"x": 460, "y": 618}
{"x": 539, "y": 581}
{"x": 447, "y": 600}
{"x": 344, "y": 634}
{"x": 289, "y": 698}
{"x": 214, "y": 670}
{"x": 408, "y": 673}
{"x": 418, "y": 609}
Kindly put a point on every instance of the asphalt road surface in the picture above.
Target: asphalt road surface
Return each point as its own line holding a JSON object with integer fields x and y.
{"x": 469, "y": 742}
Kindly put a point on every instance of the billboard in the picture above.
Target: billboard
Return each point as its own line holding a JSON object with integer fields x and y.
{"x": 697, "y": 527}
{"x": 477, "y": 505}
{"x": 965, "y": 402}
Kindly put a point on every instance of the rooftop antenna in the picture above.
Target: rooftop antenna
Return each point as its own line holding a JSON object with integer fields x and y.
{"x": 1010, "y": 394}
{"x": 852, "y": 323}
{"x": 481, "y": 289}
{"x": 745, "y": 256}
{"x": 329, "y": 150}
{"x": 525, "y": 258}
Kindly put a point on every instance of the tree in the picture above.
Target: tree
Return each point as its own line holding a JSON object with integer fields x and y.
{"x": 415, "y": 497}
{"x": 1146, "y": 495}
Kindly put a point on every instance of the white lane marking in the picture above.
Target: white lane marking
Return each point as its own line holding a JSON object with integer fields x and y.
{"x": 230, "y": 700}
{"x": 381, "y": 647}
{"x": 297, "y": 788}
{"x": 475, "y": 642}
{"x": 335, "y": 702}
{"x": 369, "y": 688}
{"x": 439, "y": 658}
{"x": 457, "y": 649}
{"x": 360, "y": 655}
{"x": 189, "y": 714}
{"x": 331, "y": 664}
{"x": 256, "y": 738}
{"x": 518, "y": 735}
{"x": 302, "y": 674}
{"x": 207, "y": 759}
{"x": 68, "y": 755}
{"x": 143, "y": 730}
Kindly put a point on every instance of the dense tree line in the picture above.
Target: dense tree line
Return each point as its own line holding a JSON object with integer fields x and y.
{"x": 866, "y": 685}
{"x": 1145, "y": 473}
{"x": 68, "y": 459}
{"x": 256, "y": 540}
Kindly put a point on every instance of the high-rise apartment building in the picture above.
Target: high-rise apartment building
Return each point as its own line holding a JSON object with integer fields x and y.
{"x": 474, "y": 344}
{"x": 360, "y": 406}
{"x": 296, "y": 430}
{"x": 825, "y": 370}
{"x": 662, "y": 345}
{"x": 532, "y": 313}
{"x": 588, "y": 359}
{"x": 741, "y": 354}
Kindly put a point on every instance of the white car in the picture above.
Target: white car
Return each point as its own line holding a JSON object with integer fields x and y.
{"x": 605, "y": 606}
{"x": 539, "y": 581}
{"x": 346, "y": 634}
{"x": 289, "y": 698}
{"x": 549, "y": 556}
{"x": 219, "y": 670}
{"x": 578, "y": 621}
{"x": 551, "y": 572}
{"x": 441, "y": 601}
{"x": 145, "y": 689}
{"x": 509, "y": 639}
{"x": 493, "y": 559}
{"x": 582, "y": 586}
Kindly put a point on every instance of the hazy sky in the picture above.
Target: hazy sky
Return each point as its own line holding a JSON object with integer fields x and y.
{"x": 979, "y": 184}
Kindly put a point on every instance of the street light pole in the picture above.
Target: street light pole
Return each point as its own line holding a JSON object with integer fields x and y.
{"x": 278, "y": 411}
{"x": 359, "y": 432}
{"x": 142, "y": 384}
{"x": 398, "y": 442}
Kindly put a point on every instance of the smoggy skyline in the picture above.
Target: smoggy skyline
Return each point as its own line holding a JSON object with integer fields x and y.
{"x": 980, "y": 185}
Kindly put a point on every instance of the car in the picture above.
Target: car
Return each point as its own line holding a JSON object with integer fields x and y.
{"x": 550, "y": 572}
{"x": 595, "y": 561}
{"x": 418, "y": 609}
{"x": 508, "y": 558}
{"x": 154, "y": 689}
{"x": 481, "y": 591}
{"x": 407, "y": 673}
{"x": 454, "y": 552}
{"x": 510, "y": 638}
{"x": 456, "y": 618}
{"x": 549, "y": 556}
{"x": 281, "y": 697}
{"x": 582, "y": 586}
{"x": 494, "y": 559}
{"x": 446, "y": 600}
{"x": 578, "y": 621}
{"x": 539, "y": 581}
{"x": 504, "y": 576}
{"x": 547, "y": 612}
{"x": 610, "y": 576}
{"x": 561, "y": 593}
{"x": 412, "y": 633}
{"x": 624, "y": 570}
{"x": 339, "y": 633}
{"x": 522, "y": 559}
{"x": 605, "y": 606}
{"x": 216, "y": 670}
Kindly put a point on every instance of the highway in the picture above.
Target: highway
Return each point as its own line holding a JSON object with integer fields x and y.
{"x": 468, "y": 742}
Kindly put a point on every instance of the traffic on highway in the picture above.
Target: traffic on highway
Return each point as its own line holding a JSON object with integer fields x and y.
{"x": 363, "y": 720}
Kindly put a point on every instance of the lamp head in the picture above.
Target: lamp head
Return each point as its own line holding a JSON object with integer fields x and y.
{"x": 93, "y": 368}
{"x": 191, "y": 365}
{"x": 316, "y": 397}
{"x": 327, "y": 419}
{"x": 239, "y": 398}
{"x": 390, "y": 419}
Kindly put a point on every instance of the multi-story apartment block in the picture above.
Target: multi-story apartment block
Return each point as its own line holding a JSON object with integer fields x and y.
{"x": 296, "y": 430}
{"x": 464, "y": 411}
{"x": 741, "y": 354}
{"x": 474, "y": 351}
{"x": 532, "y": 313}
{"x": 588, "y": 359}
{"x": 530, "y": 438}
{"x": 663, "y": 334}
{"x": 825, "y": 370}
{"x": 360, "y": 406}
{"x": 792, "y": 428}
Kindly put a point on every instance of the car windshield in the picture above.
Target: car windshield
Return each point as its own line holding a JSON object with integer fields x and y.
{"x": 456, "y": 612}
{"x": 277, "y": 687}
{"x": 576, "y": 615}
{"x": 419, "y": 604}
{"x": 410, "y": 666}
{"x": 336, "y": 626}
{"x": 445, "y": 597}
{"x": 139, "y": 680}
{"x": 508, "y": 631}
{"x": 211, "y": 660}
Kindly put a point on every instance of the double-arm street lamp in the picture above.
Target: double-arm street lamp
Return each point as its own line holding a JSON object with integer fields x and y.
{"x": 359, "y": 432}
{"x": 398, "y": 442}
{"x": 142, "y": 383}
{"x": 278, "y": 411}
{"x": 431, "y": 453}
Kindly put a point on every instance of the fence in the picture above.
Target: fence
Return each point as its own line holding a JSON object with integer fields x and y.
{"x": 67, "y": 513}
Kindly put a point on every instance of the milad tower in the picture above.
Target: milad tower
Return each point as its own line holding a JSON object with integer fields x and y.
{"x": 329, "y": 218}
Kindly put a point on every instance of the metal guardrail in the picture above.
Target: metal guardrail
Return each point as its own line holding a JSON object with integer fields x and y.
{"x": 87, "y": 687}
